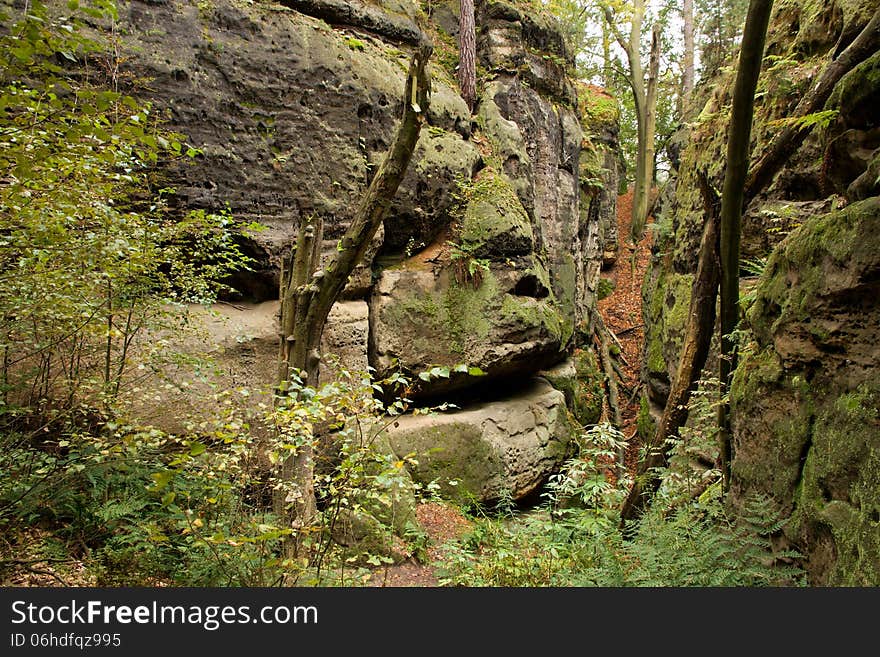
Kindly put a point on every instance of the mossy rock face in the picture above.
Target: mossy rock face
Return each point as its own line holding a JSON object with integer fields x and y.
{"x": 442, "y": 159}
{"x": 667, "y": 303}
{"x": 805, "y": 394}
{"x": 800, "y": 43}
{"x": 418, "y": 320}
{"x": 581, "y": 381}
{"x": 850, "y": 162}
{"x": 499, "y": 450}
{"x": 495, "y": 224}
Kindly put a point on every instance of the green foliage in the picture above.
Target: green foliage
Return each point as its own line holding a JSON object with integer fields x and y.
{"x": 355, "y": 44}
{"x": 90, "y": 255}
{"x": 604, "y": 288}
{"x": 469, "y": 270}
{"x": 821, "y": 119}
{"x": 573, "y": 540}
{"x": 138, "y": 505}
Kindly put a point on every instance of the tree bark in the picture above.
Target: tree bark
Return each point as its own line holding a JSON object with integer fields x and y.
{"x": 687, "y": 63}
{"x": 645, "y": 164}
{"x": 698, "y": 338}
{"x": 738, "y": 143}
{"x": 467, "y": 66}
{"x": 789, "y": 139}
{"x": 308, "y": 293}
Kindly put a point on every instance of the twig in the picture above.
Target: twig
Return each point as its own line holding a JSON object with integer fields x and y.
{"x": 619, "y": 346}
{"x": 631, "y": 328}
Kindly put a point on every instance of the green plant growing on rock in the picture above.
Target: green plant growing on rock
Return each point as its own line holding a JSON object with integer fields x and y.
{"x": 469, "y": 270}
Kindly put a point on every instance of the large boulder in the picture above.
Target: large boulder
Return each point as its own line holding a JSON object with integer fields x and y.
{"x": 806, "y": 395}
{"x": 498, "y": 450}
{"x": 345, "y": 339}
{"x": 419, "y": 319}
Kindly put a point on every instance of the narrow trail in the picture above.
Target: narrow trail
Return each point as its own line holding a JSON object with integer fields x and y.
{"x": 622, "y": 313}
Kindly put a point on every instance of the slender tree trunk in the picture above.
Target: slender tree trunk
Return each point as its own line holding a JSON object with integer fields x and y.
{"x": 738, "y": 142}
{"x": 467, "y": 67}
{"x": 645, "y": 101}
{"x": 645, "y": 164}
{"x": 607, "y": 68}
{"x": 687, "y": 62}
{"x": 695, "y": 349}
{"x": 308, "y": 292}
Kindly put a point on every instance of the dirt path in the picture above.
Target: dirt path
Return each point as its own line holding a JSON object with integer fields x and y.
{"x": 442, "y": 523}
{"x": 622, "y": 313}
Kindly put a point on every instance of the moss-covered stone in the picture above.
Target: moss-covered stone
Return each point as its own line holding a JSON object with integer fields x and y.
{"x": 645, "y": 424}
{"x": 418, "y": 320}
{"x": 668, "y": 298}
{"x": 581, "y": 381}
{"x": 495, "y": 224}
{"x": 489, "y": 451}
{"x": 798, "y": 272}
{"x": 805, "y": 394}
{"x": 841, "y": 486}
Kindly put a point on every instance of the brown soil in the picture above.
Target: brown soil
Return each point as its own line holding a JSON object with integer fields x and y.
{"x": 622, "y": 313}
{"x": 441, "y": 523}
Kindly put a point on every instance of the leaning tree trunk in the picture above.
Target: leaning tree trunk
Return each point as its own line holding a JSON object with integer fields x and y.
{"x": 739, "y": 136}
{"x": 308, "y": 292}
{"x": 467, "y": 66}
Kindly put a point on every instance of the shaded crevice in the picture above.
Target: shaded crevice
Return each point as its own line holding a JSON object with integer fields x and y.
{"x": 805, "y": 453}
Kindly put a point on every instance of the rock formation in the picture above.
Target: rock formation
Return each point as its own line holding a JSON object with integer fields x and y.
{"x": 804, "y": 395}
{"x": 490, "y": 253}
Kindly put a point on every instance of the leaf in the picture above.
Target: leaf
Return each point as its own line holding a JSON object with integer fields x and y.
{"x": 162, "y": 479}
{"x": 196, "y": 448}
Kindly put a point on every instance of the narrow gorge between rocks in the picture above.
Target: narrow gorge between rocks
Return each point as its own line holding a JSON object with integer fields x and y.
{"x": 493, "y": 369}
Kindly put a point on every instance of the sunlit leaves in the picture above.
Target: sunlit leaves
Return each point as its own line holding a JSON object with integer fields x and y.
{"x": 89, "y": 254}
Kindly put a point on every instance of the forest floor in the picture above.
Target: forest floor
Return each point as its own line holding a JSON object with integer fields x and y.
{"x": 622, "y": 313}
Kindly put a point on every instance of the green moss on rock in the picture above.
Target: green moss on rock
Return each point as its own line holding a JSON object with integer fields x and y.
{"x": 841, "y": 485}
{"x": 452, "y": 455}
{"x": 495, "y": 223}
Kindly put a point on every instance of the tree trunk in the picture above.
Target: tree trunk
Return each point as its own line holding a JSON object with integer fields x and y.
{"x": 645, "y": 163}
{"x": 467, "y": 66}
{"x": 607, "y": 67}
{"x": 308, "y": 293}
{"x": 645, "y": 101}
{"x": 698, "y": 337}
{"x": 738, "y": 142}
{"x": 789, "y": 139}
{"x": 687, "y": 62}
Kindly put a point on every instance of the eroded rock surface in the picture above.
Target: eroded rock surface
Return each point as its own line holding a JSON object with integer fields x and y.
{"x": 504, "y": 449}
{"x": 807, "y": 393}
